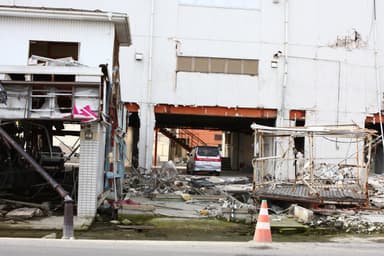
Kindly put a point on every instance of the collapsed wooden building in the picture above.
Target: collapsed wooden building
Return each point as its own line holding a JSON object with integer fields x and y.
{"x": 298, "y": 165}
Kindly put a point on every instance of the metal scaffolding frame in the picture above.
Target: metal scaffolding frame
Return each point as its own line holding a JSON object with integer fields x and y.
{"x": 281, "y": 172}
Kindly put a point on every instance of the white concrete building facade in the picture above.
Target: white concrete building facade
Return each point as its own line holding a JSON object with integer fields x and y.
{"x": 321, "y": 57}
{"x": 312, "y": 55}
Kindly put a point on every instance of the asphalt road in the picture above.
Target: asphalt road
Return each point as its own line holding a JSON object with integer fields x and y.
{"x": 57, "y": 247}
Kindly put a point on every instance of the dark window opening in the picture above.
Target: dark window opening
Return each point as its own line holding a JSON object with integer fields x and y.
{"x": 218, "y": 137}
{"x": 56, "y": 98}
{"x": 53, "y": 78}
{"x": 17, "y": 77}
{"x": 54, "y": 50}
{"x": 299, "y": 141}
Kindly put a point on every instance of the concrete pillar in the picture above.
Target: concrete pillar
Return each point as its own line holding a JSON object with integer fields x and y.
{"x": 234, "y": 151}
{"x": 129, "y": 143}
{"x": 146, "y": 137}
{"x": 91, "y": 170}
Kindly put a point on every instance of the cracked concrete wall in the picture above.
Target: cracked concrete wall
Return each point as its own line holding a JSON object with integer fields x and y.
{"x": 335, "y": 85}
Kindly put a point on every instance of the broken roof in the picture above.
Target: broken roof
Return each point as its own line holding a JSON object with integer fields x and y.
{"x": 120, "y": 20}
{"x": 339, "y": 130}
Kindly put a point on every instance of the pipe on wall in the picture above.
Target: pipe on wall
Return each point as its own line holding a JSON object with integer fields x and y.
{"x": 285, "y": 55}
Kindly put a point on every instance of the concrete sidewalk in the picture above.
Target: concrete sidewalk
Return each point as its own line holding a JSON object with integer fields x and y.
{"x": 46, "y": 223}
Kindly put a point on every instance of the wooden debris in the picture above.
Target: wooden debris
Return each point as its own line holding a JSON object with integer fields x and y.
{"x": 136, "y": 227}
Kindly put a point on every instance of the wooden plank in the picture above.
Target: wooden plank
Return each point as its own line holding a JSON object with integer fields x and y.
{"x": 136, "y": 227}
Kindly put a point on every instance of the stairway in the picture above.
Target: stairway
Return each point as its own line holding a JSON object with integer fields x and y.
{"x": 185, "y": 138}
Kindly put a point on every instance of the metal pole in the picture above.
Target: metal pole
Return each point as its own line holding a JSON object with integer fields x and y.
{"x": 68, "y": 218}
{"x": 68, "y": 209}
{"x": 156, "y": 140}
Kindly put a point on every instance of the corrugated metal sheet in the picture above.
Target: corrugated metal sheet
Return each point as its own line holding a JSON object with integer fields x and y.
{"x": 351, "y": 194}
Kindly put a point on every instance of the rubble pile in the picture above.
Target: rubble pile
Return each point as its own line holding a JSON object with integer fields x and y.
{"x": 11, "y": 210}
{"x": 170, "y": 193}
{"x": 350, "y": 221}
{"x": 208, "y": 196}
{"x": 376, "y": 190}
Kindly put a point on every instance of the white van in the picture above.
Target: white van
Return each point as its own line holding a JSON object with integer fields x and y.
{"x": 204, "y": 159}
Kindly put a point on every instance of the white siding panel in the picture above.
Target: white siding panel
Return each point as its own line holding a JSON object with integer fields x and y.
{"x": 134, "y": 73}
{"x": 95, "y": 38}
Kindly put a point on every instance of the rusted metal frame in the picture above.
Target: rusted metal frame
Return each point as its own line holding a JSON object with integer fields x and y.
{"x": 254, "y": 162}
{"x": 291, "y": 145}
{"x": 368, "y": 167}
{"x": 290, "y": 199}
{"x": 156, "y": 141}
{"x": 311, "y": 156}
{"x": 216, "y": 111}
{"x": 306, "y": 199}
{"x": 350, "y": 165}
{"x": 262, "y": 171}
{"x": 357, "y": 160}
{"x": 312, "y": 166}
{"x": 314, "y": 191}
{"x": 195, "y": 140}
{"x": 68, "y": 201}
{"x": 264, "y": 158}
{"x": 257, "y": 171}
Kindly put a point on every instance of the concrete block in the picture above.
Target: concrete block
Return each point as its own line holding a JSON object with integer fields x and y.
{"x": 303, "y": 214}
{"x": 24, "y": 213}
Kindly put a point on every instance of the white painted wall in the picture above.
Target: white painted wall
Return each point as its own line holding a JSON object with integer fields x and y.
{"x": 334, "y": 85}
{"x": 95, "y": 38}
{"x": 321, "y": 79}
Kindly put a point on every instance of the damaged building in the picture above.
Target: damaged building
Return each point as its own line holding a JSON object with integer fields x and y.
{"x": 315, "y": 175}
{"x": 222, "y": 65}
{"x": 59, "y": 77}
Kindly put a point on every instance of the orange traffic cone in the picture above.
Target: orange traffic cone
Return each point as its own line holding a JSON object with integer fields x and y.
{"x": 263, "y": 228}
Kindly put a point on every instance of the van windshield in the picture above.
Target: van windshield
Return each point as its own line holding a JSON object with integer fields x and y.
{"x": 208, "y": 151}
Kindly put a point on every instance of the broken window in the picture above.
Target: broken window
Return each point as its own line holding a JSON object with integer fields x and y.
{"x": 54, "y": 50}
{"x": 46, "y": 99}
